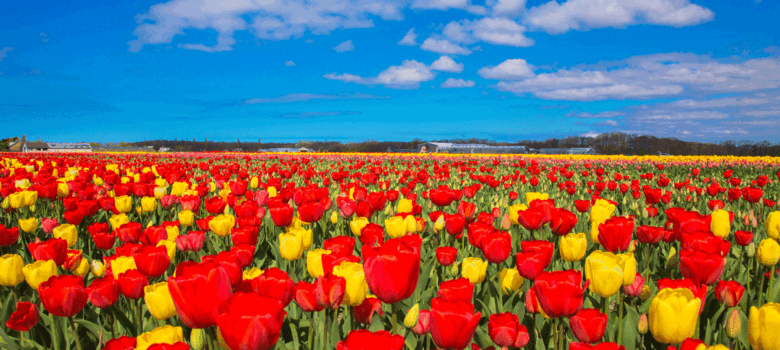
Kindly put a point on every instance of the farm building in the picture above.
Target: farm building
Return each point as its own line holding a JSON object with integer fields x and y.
{"x": 445, "y": 147}
{"x": 586, "y": 150}
{"x": 284, "y": 150}
{"x": 39, "y": 146}
{"x": 69, "y": 147}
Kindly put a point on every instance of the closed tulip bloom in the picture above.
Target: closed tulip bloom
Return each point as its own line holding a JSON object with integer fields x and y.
{"x": 392, "y": 270}
{"x": 197, "y": 290}
{"x": 162, "y": 335}
{"x": 743, "y": 238}
{"x": 363, "y": 339}
{"x": 588, "y": 325}
{"x": 513, "y": 213}
{"x": 306, "y": 296}
{"x": 729, "y": 293}
{"x": 357, "y": 224}
{"x": 534, "y": 258}
{"x": 702, "y": 267}
{"x": 510, "y": 280}
{"x": 68, "y": 233}
{"x": 649, "y": 234}
{"x": 608, "y": 272}
{"x": 117, "y": 221}
{"x": 152, "y": 261}
{"x": 123, "y": 204}
{"x": 720, "y": 224}
{"x": 573, "y": 246}
{"x": 405, "y": 206}
{"x": 446, "y": 255}
{"x": 563, "y": 221}
{"x": 396, "y": 227}
{"x": 615, "y": 234}
{"x": 452, "y": 323}
{"x": 330, "y": 290}
{"x": 63, "y": 296}
{"x": 24, "y": 318}
{"x": 9, "y": 236}
{"x": 291, "y": 246}
{"x": 506, "y": 331}
{"x": 122, "y": 264}
{"x": 365, "y": 311}
{"x": 281, "y": 215}
{"x": 38, "y": 272}
{"x": 132, "y": 283}
{"x": 636, "y": 288}
{"x": 28, "y": 225}
{"x": 768, "y": 252}
{"x": 530, "y": 219}
{"x": 314, "y": 262}
{"x": 129, "y": 232}
{"x": 11, "y": 266}
{"x": 772, "y": 224}
{"x": 186, "y": 218}
{"x": 496, "y": 246}
{"x": 103, "y": 292}
{"x": 250, "y": 322}
{"x": 306, "y": 236}
{"x": 763, "y": 324}
{"x": 599, "y": 346}
{"x": 193, "y": 241}
{"x": 474, "y": 269}
{"x": 221, "y": 224}
{"x": 559, "y": 293}
{"x": 356, "y": 288}
{"x": 273, "y": 283}
{"x": 673, "y": 315}
{"x": 158, "y": 301}
{"x": 148, "y": 204}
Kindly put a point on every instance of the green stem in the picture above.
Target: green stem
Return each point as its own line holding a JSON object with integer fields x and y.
{"x": 325, "y": 338}
{"x": 771, "y": 285}
{"x": 393, "y": 318}
{"x": 620, "y": 325}
{"x": 138, "y": 320}
{"x": 761, "y": 291}
{"x": 55, "y": 339}
{"x": 75, "y": 334}
{"x": 311, "y": 330}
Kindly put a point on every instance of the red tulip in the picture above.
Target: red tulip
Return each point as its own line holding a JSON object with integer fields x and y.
{"x": 496, "y": 246}
{"x": 652, "y": 196}
{"x": 506, "y": 331}
{"x": 442, "y": 197}
{"x": 635, "y": 288}
{"x": 423, "y": 325}
{"x": 559, "y": 293}
{"x": 477, "y": 230}
{"x": 340, "y": 245}
{"x": 600, "y": 346}
{"x": 582, "y": 205}
{"x": 310, "y": 212}
{"x": 244, "y": 235}
{"x": 132, "y": 284}
{"x": 215, "y": 205}
{"x": 365, "y": 311}
{"x": 51, "y": 249}
{"x": 282, "y": 215}
{"x": 715, "y": 204}
{"x": 752, "y": 194}
{"x": 459, "y": 289}
{"x": 446, "y": 255}
{"x": 615, "y": 234}
{"x": 649, "y": 234}
{"x": 103, "y": 292}
{"x": 306, "y": 297}
{"x": 8, "y": 236}
{"x": 122, "y": 343}
{"x": 197, "y": 291}
{"x": 588, "y": 325}
{"x": 363, "y": 339}
{"x": 466, "y": 210}
{"x": 63, "y": 295}
{"x": 24, "y": 318}
{"x": 248, "y": 321}
{"x": 743, "y": 238}
{"x": 454, "y": 223}
{"x": 701, "y": 267}
{"x": 329, "y": 290}
{"x": 273, "y": 283}
{"x": 191, "y": 242}
{"x": 562, "y": 221}
{"x": 129, "y": 232}
{"x": 452, "y": 323}
{"x": 392, "y": 269}
{"x": 530, "y": 219}
{"x": 729, "y": 293}
{"x": 152, "y": 261}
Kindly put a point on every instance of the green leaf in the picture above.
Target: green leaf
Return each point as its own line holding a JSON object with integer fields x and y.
{"x": 630, "y": 333}
{"x": 128, "y": 325}
{"x": 411, "y": 342}
{"x": 92, "y": 327}
{"x": 7, "y": 341}
{"x": 294, "y": 331}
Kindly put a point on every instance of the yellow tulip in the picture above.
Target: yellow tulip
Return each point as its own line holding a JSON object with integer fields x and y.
{"x": 772, "y": 224}
{"x": 334, "y": 217}
{"x": 572, "y": 246}
{"x": 122, "y": 264}
{"x": 599, "y": 213}
{"x": 38, "y": 272}
{"x": 272, "y": 192}
{"x": 305, "y": 234}
{"x": 396, "y": 227}
{"x": 83, "y": 268}
{"x": 513, "y": 213}
{"x": 357, "y": 224}
{"x": 159, "y": 192}
{"x": 474, "y": 269}
{"x": 178, "y": 188}
{"x": 186, "y": 217}
{"x": 98, "y": 268}
{"x": 173, "y": 232}
{"x": 254, "y": 182}
{"x": 763, "y": 324}
{"x": 673, "y": 315}
{"x": 411, "y": 317}
{"x": 439, "y": 224}
{"x": 62, "y": 190}
{"x": 11, "y": 266}
{"x": 646, "y": 293}
{"x": 28, "y": 225}
{"x": 158, "y": 301}
{"x": 405, "y": 206}
{"x": 291, "y": 245}
{"x": 68, "y": 233}
{"x": 356, "y": 288}
{"x": 720, "y": 224}
{"x": 16, "y": 200}
{"x": 510, "y": 280}
{"x": 160, "y": 335}
{"x": 148, "y": 204}
{"x": 118, "y": 220}
{"x": 531, "y": 196}
{"x": 123, "y": 204}
{"x": 314, "y": 262}
{"x": 98, "y": 181}
{"x": 30, "y": 197}
{"x": 768, "y": 252}
{"x": 608, "y": 272}
{"x": 251, "y": 273}
{"x": 170, "y": 247}
{"x": 222, "y": 224}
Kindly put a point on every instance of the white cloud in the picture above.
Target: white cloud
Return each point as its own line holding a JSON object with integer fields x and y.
{"x": 556, "y": 18}
{"x": 289, "y": 63}
{"x": 270, "y": 20}
{"x": 406, "y": 76}
{"x": 410, "y": 39}
{"x": 497, "y": 31}
{"x": 591, "y": 134}
{"x": 457, "y": 83}
{"x": 443, "y": 46}
{"x": 344, "y": 47}
{"x": 449, "y": 4}
{"x": 509, "y": 7}
{"x": 447, "y": 64}
{"x": 511, "y": 69}
{"x": 4, "y": 52}
{"x": 290, "y": 98}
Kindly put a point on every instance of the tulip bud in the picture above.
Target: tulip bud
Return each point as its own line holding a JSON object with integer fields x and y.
{"x": 198, "y": 339}
{"x": 646, "y": 293}
{"x": 454, "y": 270}
{"x": 733, "y": 324}
{"x": 671, "y": 259}
{"x": 505, "y": 222}
{"x": 439, "y": 225}
{"x": 751, "y": 250}
{"x": 98, "y": 268}
{"x": 334, "y": 218}
{"x": 641, "y": 326}
{"x": 411, "y": 317}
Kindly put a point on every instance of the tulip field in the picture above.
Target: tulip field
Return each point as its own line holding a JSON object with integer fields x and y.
{"x": 388, "y": 251}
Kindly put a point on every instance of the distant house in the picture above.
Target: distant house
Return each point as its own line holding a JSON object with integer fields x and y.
{"x": 401, "y": 150}
{"x": 164, "y": 149}
{"x": 585, "y": 150}
{"x": 39, "y": 146}
{"x": 284, "y": 150}
{"x": 446, "y": 147}
{"x": 71, "y": 147}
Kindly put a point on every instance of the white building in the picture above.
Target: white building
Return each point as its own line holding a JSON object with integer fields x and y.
{"x": 446, "y": 147}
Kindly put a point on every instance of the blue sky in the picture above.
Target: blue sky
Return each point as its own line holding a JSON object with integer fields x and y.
{"x": 353, "y": 70}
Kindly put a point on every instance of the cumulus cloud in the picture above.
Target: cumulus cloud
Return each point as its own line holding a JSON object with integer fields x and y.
{"x": 4, "y": 52}
{"x": 449, "y": 4}
{"x": 303, "y": 97}
{"x": 270, "y": 20}
{"x": 591, "y": 134}
{"x": 408, "y": 75}
{"x": 447, "y": 64}
{"x": 457, "y": 83}
{"x": 443, "y": 46}
{"x": 510, "y": 69}
{"x": 497, "y": 31}
{"x": 344, "y": 47}
{"x": 289, "y": 63}
{"x": 508, "y": 7}
{"x": 557, "y": 18}
{"x": 410, "y": 39}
